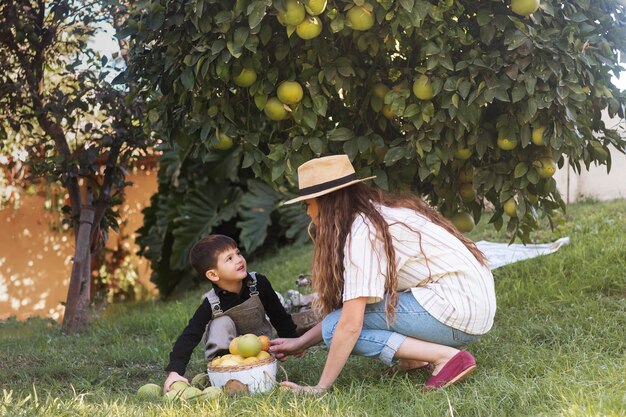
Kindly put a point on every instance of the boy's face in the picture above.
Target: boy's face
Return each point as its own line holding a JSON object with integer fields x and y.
{"x": 231, "y": 267}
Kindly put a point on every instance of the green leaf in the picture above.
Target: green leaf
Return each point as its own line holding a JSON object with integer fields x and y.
{"x": 256, "y": 208}
{"x": 240, "y": 37}
{"x": 316, "y": 145}
{"x": 320, "y": 104}
{"x": 520, "y": 170}
{"x": 256, "y": 12}
{"x": 407, "y": 5}
{"x": 340, "y": 134}
{"x": 187, "y": 78}
{"x": 202, "y": 209}
{"x": 393, "y": 155}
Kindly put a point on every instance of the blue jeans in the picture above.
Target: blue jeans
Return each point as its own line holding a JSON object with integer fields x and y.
{"x": 377, "y": 339}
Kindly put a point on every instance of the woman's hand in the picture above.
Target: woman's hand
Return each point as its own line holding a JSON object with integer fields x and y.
{"x": 303, "y": 389}
{"x": 283, "y": 347}
{"x": 171, "y": 378}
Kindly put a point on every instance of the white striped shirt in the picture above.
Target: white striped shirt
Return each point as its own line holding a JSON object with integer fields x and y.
{"x": 460, "y": 291}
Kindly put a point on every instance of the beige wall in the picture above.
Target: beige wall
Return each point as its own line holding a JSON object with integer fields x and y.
{"x": 35, "y": 262}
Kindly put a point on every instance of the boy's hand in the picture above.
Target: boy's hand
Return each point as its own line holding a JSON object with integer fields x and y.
{"x": 171, "y": 378}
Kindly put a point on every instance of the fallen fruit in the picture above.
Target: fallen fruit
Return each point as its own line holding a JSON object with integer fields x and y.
{"x": 179, "y": 386}
{"x": 234, "y": 387}
{"x": 200, "y": 381}
{"x": 149, "y": 391}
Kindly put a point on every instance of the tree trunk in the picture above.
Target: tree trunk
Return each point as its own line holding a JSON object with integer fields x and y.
{"x": 76, "y": 315}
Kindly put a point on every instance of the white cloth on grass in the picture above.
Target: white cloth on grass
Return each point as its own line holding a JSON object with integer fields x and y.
{"x": 500, "y": 254}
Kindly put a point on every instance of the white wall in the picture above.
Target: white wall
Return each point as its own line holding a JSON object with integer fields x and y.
{"x": 596, "y": 183}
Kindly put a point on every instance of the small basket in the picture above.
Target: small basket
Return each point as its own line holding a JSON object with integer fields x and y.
{"x": 305, "y": 320}
{"x": 259, "y": 376}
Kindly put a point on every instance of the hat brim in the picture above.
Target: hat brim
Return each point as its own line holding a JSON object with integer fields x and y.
{"x": 320, "y": 193}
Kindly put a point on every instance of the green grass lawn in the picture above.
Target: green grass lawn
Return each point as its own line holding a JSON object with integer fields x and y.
{"x": 557, "y": 348}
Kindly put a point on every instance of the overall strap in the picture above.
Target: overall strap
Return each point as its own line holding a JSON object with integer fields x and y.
{"x": 252, "y": 284}
{"x": 216, "y": 309}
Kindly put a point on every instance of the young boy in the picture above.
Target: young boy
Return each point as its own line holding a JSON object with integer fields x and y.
{"x": 237, "y": 304}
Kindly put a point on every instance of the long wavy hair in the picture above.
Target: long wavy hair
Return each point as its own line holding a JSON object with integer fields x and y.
{"x": 337, "y": 211}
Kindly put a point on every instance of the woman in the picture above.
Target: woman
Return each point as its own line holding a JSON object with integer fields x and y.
{"x": 395, "y": 280}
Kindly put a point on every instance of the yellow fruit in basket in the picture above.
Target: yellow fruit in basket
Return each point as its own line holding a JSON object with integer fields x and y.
{"x": 251, "y": 359}
{"x": 227, "y": 363}
{"x": 265, "y": 342}
{"x": 237, "y": 358}
{"x": 249, "y": 345}
{"x": 232, "y": 347}
{"x": 217, "y": 361}
{"x": 263, "y": 355}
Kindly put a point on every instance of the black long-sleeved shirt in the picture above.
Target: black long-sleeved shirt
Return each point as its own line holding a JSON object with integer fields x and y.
{"x": 192, "y": 334}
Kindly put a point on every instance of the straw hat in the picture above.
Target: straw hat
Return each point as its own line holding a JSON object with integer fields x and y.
{"x": 324, "y": 175}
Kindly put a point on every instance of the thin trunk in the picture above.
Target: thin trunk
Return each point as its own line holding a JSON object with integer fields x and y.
{"x": 76, "y": 315}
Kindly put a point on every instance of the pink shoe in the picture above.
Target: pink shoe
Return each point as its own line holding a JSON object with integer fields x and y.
{"x": 458, "y": 368}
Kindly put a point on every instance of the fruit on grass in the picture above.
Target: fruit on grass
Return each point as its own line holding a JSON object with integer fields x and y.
{"x": 463, "y": 221}
{"x": 274, "y": 109}
{"x": 294, "y": 13}
{"x": 315, "y": 7}
{"x": 200, "y": 381}
{"x": 179, "y": 386}
{"x": 190, "y": 393}
{"x": 249, "y": 345}
{"x": 462, "y": 153}
{"x": 309, "y": 28}
{"x": 545, "y": 167}
{"x": 224, "y": 143}
{"x": 289, "y": 92}
{"x": 537, "y": 135}
{"x": 360, "y": 18}
{"x": 467, "y": 192}
{"x": 149, "y": 391}
{"x": 510, "y": 207}
{"x": 172, "y": 395}
{"x": 210, "y": 393}
{"x": 245, "y": 78}
{"x": 265, "y": 343}
{"x": 506, "y": 140}
{"x": 524, "y": 7}
{"x": 232, "y": 346}
{"x": 234, "y": 387}
{"x": 422, "y": 88}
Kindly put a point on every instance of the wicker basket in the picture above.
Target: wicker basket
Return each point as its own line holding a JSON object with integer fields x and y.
{"x": 305, "y": 319}
{"x": 259, "y": 376}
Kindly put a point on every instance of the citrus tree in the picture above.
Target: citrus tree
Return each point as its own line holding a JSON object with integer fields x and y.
{"x": 64, "y": 126}
{"x": 471, "y": 104}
